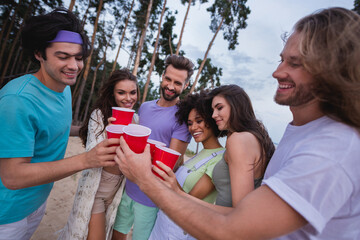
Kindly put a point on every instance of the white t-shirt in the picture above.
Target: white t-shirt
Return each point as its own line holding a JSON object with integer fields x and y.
{"x": 316, "y": 170}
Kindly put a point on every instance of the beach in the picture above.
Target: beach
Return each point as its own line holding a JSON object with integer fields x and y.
{"x": 61, "y": 199}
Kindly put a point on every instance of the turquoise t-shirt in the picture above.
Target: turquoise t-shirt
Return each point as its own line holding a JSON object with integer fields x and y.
{"x": 35, "y": 122}
{"x": 207, "y": 169}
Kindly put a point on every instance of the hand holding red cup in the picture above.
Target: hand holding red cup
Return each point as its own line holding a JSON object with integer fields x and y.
{"x": 123, "y": 116}
{"x": 114, "y": 131}
{"x": 165, "y": 155}
{"x": 153, "y": 143}
{"x": 136, "y": 137}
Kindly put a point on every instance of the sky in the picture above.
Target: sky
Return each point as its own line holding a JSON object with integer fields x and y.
{"x": 256, "y": 57}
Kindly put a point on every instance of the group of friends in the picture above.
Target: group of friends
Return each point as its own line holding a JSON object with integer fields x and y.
{"x": 306, "y": 188}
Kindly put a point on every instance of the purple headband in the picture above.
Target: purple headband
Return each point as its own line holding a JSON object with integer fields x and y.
{"x": 68, "y": 36}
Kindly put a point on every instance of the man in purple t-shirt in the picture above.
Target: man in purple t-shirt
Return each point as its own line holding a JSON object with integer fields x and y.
{"x": 159, "y": 115}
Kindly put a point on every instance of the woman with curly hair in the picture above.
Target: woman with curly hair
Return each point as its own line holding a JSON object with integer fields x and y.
{"x": 197, "y": 115}
{"x": 248, "y": 149}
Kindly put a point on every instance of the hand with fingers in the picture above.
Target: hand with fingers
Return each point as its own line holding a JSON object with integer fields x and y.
{"x": 169, "y": 178}
{"x": 102, "y": 155}
{"x": 110, "y": 120}
{"x": 136, "y": 167}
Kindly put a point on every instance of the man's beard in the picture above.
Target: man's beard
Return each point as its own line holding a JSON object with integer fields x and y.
{"x": 169, "y": 98}
{"x": 300, "y": 96}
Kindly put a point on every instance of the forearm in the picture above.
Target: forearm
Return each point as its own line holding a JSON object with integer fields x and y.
{"x": 26, "y": 174}
{"x": 217, "y": 208}
{"x": 188, "y": 214}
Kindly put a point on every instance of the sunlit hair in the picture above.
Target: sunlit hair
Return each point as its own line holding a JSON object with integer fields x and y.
{"x": 242, "y": 119}
{"x": 198, "y": 102}
{"x": 330, "y": 50}
{"x": 180, "y": 63}
{"x": 106, "y": 100}
{"x": 41, "y": 29}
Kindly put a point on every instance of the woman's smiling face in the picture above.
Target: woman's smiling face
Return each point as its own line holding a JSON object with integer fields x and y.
{"x": 125, "y": 93}
{"x": 221, "y": 112}
{"x": 197, "y": 127}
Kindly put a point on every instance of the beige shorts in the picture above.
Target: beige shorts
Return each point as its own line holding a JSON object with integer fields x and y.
{"x": 109, "y": 184}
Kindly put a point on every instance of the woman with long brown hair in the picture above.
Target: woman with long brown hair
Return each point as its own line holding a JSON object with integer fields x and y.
{"x": 100, "y": 189}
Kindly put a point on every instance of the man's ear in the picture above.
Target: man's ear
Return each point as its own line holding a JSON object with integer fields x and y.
{"x": 38, "y": 56}
{"x": 186, "y": 84}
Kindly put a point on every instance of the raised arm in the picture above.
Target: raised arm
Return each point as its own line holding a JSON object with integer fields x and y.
{"x": 19, "y": 173}
{"x": 257, "y": 216}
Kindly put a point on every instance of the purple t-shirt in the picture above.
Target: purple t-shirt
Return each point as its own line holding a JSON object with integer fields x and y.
{"x": 164, "y": 127}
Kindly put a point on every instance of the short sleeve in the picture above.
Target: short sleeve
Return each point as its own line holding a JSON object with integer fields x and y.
{"x": 95, "y": 126}
{"x": 307, "y": 182}
{"x": 18, "y": 127}
{"x": 181, "y": 132}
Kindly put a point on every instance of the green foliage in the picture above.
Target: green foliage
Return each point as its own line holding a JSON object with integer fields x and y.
{"x": 153, "y": 92}
{"x": 357, "y": 6}
{"x": 235, "y": 14}
{"x": 210, "y": 75}
{"x": 189, "y": 153}
{"x": 113, "y": 12}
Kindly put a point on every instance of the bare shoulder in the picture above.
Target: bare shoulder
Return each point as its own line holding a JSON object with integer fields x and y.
{"x": 243, "y": 139}
{"x": 243, "y": 145}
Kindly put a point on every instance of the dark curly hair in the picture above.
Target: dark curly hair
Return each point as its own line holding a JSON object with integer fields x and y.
{"x": 106, "y": 100}
{"x": 243, "y": 119}
{"x": 41, "y": 29}
{"x": 198, "y": 102}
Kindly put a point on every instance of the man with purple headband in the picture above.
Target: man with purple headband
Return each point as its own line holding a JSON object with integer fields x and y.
{"x": 35, "y": 123}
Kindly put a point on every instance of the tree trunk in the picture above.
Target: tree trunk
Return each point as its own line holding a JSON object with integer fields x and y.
{"x": 154, "y": 54}
{"x": 122, "y": 36}
{"x": 95, "y": 73}
{"x": 15, "y": 61}
{"x": 83, "y": 21}
{"x": 71, "y": 6}
{"x": 182, "y": 28}
{"x": 3, "y": 27}
{"x": 170, "y": 46}
{"x": 87, "y": 67}
{"x": 20, "y": 62}
{"x": 4, "y": 43}
{"x": 92, "y": 89}
{"x": 14, "y": 43}
{"x": 205, "y": 57}
{"x": 142, "y": 39}
{"x": 28, "y": 66}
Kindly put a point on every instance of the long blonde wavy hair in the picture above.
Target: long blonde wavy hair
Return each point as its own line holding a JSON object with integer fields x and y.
{"x": 330, "y": 50}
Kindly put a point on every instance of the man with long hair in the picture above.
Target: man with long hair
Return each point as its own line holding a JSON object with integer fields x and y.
{"x": 35, "y": 123}
{"x": 311, "y": 188}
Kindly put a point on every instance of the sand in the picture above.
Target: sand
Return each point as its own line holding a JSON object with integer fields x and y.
{"x": 61, "y": 199}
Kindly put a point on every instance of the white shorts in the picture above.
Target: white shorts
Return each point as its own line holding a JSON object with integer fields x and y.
{"x": 23, "y": 229}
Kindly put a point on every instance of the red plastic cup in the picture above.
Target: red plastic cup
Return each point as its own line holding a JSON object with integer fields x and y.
{"x": 136, "y": 137}
{"x": 152, "y": 146}
{"x": 165, "y": 155}
{"x": 123, "y": 116}
{"x": 114, "y": 131}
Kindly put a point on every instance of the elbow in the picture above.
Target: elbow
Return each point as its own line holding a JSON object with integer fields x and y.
{"x": 10, "y": 183}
